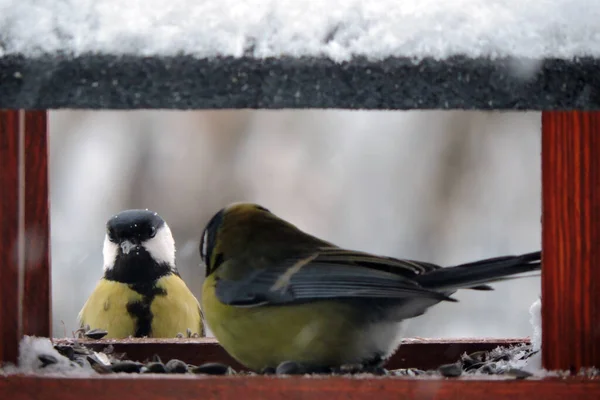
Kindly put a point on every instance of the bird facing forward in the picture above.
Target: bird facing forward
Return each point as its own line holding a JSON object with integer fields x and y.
{"x": 141, "y": 293}
{"x": 276, "y": 294}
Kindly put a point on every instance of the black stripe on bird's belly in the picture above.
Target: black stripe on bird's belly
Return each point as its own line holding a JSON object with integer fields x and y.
{"x": 140, "y": 310}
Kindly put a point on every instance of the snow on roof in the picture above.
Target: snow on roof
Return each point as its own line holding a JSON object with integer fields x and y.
{"x": 336, "y": 29}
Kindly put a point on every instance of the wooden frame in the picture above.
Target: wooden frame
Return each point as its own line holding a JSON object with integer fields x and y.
{"x": 24, "y": 229}
{"x": 570, "y": 292}
{"x": 259, "y": 387}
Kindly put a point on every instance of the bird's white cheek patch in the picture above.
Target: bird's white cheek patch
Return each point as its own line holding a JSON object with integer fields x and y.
{"x": 162, "y": 246}
{"x": 109, "y": 253}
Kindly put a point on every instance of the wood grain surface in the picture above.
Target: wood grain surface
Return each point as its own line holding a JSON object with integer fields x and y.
{"x": 25, "y": 302}
{"x": 37, "y": 301}
{"x": 292, "y": 388}
{"x": 9, "y": 229}
{"x": 571, "y": 239}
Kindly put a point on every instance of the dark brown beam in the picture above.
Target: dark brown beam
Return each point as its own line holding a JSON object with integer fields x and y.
{"x": 571, "y": 239}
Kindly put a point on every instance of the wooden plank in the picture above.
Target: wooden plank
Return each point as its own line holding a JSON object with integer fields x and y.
{"x": 24, "y": 229}
{"x": 570, "y": 239}
{"x": 165, "y": 387}
{"x": 37, "y": 301}
{"x": 413, "y": 353}
{"x": 9, "y": 227}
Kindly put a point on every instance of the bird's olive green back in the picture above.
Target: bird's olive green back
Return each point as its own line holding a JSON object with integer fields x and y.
{"x": 251, "y": 237}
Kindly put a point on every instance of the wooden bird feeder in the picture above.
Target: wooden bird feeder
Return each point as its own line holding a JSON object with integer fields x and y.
{"x": 566, "y": 92}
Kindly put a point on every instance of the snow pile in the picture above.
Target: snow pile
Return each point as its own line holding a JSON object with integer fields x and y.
{"x": 521, "y": 361}
{"x": 272, "y": 28}
{"x": 529, "y": 357}
{"x": 536, "y": 322}
{"x": 37, "y": 355}
{"x": 535, "y": 362}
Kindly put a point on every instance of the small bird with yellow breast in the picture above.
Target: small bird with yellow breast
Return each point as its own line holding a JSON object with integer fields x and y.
{"x": 274, "y": 294}
{"x": 141, "y": 293}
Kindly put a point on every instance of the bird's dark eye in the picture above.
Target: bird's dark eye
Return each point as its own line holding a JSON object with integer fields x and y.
{"x": 111, "y": 234}
{"x": 152, "y": 231}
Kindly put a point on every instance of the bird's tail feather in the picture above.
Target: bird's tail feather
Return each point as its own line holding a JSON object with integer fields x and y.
{"x": 476, "y": 275}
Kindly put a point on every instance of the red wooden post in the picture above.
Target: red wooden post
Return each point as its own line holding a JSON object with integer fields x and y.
{"x": 571, "y": 239}
{"x": 24, "y": 229}
{"x": 9, "y": 228}
{"x": 37, "y": 298}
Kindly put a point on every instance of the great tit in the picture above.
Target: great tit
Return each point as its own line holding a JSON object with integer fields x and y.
{"x": 141, "y": 293}
{"x": 275, "y": 294}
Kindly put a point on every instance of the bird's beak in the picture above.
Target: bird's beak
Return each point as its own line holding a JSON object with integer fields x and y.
{"x": 127, "y": 246}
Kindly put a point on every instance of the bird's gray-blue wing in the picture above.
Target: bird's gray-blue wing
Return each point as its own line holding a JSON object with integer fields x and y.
{"x": 310, "y": 279}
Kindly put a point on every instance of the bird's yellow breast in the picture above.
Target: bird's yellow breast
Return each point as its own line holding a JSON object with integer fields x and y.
{"x": 177, "y": 311}
{"x": 172, "y": 311}
{"x": 319, "y": 333}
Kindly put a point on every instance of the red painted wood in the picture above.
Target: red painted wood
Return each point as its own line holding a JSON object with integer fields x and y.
{"x": 37, "y": 301}
{"x": 413, "y": 353}
{"x": 23, "y": 168}
{"x": 9, "y": 225}
{"x": 570, "y": 236}
{"x": 163, "y": 387}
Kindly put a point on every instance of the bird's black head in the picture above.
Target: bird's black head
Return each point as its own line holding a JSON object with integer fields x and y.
{"x": 133, "y": 225}
{"x": 218, "y": 235}
{"x": 209, "y": 240}
{"x": 138, "y": 247}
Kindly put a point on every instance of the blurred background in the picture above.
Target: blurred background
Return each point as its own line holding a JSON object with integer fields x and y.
{"x": 439, "y": 186}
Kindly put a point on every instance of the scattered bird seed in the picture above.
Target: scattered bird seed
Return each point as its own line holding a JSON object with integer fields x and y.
{"x": 518, "y": 373}
{"x": 126, "y": 366}
{"x": 81, "y": 350}
{"x": 66, "y": 351}
{"x": 499, "y": 361}
{"x": 268, "y": 371}
{"x": 290, "y": 368}
{"x": 407, "y": 372}
{"x": 154, "y": 368}
{"x": 102, "y": 369}
{"x": 82, "y": 361}
{"x": 359, "y": 369}
{"x": 213, "y": 369}
{"x": 176, "y": 366}
{"x": 98, "y": 358}
{"x": 96, "y": 334}
{"x": 156, "y": 358}
{"x": 47, "y": 359}
{"x": 489, "y": 369}
{"x": 450, "y": 370}
{"x": 479, "y": 356}
{"x": 378, "y": 371}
